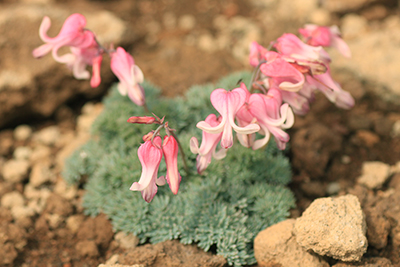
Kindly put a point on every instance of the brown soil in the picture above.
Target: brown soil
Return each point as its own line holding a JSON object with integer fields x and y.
{"x": 328, "y": 145}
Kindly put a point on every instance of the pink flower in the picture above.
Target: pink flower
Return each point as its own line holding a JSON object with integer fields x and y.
{"x": 332, "y": 90}
{"x": 72, "y": 34}
{"x": 170, "y": 150}
{"x": 129, "y": 75}
{"x": 150, "y": 157}
{"x": 271, "y": 115}
{"x": 227, "y": 103}
{"x": 290, "y": 45}
{"x": 325, "y": 36}
{"x": 208, "y": 145}
{"x": 257, "y": 54}
{"x": 281, "y": 73}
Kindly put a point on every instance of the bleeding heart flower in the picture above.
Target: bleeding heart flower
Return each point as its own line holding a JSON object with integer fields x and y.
{"x": 227, "y": 103}
{"x": 170, "y": 149}
{"x": 129, "y": 75}
{"x": 208, "y": 146}
{"x": 325, "y": 36}
{"x": 150, "y": 156}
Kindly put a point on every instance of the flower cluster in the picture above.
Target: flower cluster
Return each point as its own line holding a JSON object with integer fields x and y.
{"x": 86, "y": 51}
{"x": 150, "y": 155}
{"x": 287, "y": 79}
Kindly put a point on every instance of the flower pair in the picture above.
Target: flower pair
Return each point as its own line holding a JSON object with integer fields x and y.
{"x": 86, "y": 51}
{"x": 150, "y": 154}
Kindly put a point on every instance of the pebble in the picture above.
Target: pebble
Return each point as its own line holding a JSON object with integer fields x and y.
{"x": 126, "y": 241}
{"x": 12, "y": 199}
{"x": 22, "y": 132}
{"x": 65, "y": 190}
{"x": 15, "y": 171}
{"x": 48, "y": 136}
{"x": 333, "y": 227}
{"x": 374, "y": 174}
{"x": 74, "y": 222}
{"x": 187, "y": 22}
{"x": 39, "y": 153}
{"x": 333, "y": 188}
{"x": 87, "y": 248}
{"x": 396, "y": 129}
{"x": 21, "y": 212}
{"x": 22, "y": 153}
{"x": 41, "y": 174}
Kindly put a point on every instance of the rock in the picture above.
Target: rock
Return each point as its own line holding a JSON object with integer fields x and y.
{"x": 277, "y": 246}
{"x": 367, "y": 262}
{"x": 74, "y": 222}
{"x": 22, "y": 212}
{"x": 378, "y": 227}
{"x": 65, "y": 190}
{"x": 87, "y": 248}
{"x": 48, "y": 136}
{"x": 126, "y": 241}
{"x": 40, "y": 153}
{"x": 22, "y": 153}
{"x": 22, "y": 132}
{"x": 12, "y": 199}
{"x": 333, "y": 188}
{"x": 15, "y": 171}
{"x": 41, "y": 174}
{"x": 334, "y": 227}
{"x": 6, "y": 142}
{"x": 187, "y": 22}
{"x": 374, "y": 174}
{"x": 367, "y": 138}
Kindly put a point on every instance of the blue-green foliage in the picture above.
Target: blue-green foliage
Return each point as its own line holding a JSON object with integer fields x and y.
{"x": 223, "y": 209}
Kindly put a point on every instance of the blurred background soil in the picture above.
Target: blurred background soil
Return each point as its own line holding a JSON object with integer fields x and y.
{"x": 45, "y": 114}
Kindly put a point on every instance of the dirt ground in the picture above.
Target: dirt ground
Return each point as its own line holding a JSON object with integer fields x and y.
{"x": 328, "y": 147}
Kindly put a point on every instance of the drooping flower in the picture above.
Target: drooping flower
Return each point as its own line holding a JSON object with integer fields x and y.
{"x": 141, "y": 119}
{"x": 208, "y": 146}
{"x": 72, "y": 34}
{"x": 129, "y": 75}
{"x": 290, "y": 45}
{"x": 271, "y": 115}
{"x": 150, "y": 156}
{"x": 227, "y": 103}
{"x": 170, "y": 150}
{"x": 332, "y": 90}
{"x": 325, "y": 36}
{"x": 257, "y": 54}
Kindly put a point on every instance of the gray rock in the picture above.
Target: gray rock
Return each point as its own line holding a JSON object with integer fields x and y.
{"x": 333, "y": 227}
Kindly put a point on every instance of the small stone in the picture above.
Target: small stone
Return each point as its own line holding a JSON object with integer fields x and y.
{"x": 41, "y": 174}
{"x": 21, "y": 212}
{"x": 367, "y": 262}
{"x": 333, "y": 227}
{"x": 87, "y": 248}
{"x": 187, "y": 22}
{"x": 277, "y": 245}
{"x": 74, "y": 223}
{"x": 65, "y": 190}
{"x": 113, "y": 259}
{"x": 368, "y": 138}
{"x": 48, "y": 136}
{"x": 333, "y": 188}
{"x": 353, "y": 26}
{"x": 12, "y": 199}
{"x": 39, "y": 153}
{"x": 126, "y": 241}
{"x": 58, "y": 205}
{"x": 15, "y": 171}
{"x": 22, "y": 133}
{"x": 396, "y": 129}
{"x": 207, "y": 43}
{"x": 22, "y": 153}
{"x": 345, "y": 159}
{"x": 374, "y": 174}
{"x": 53, "y": 220}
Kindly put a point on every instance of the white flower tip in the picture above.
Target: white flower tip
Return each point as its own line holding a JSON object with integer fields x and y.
{"x": 194, "y": 145}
